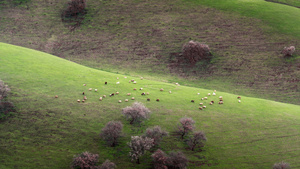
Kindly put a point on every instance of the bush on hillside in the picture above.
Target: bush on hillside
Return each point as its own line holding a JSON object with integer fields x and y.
{"x": 136, "y": 113}
{"x": 197, "y": 138}
{"x": 108, "y": 165}
{"x": 281, "y": 165}
{"x": 85, "y": 160}
{"x": 138, "y": 146}
{"x": 288, "y": 51}
{"x": 195, "y": 51}
{"x": 111, "y": 132}
{"x": 156, "y": 133}
{"x": 177, "y": 160}
{"x": 160, "y": 159}
{"x": 186, "y": 125}
{"x": 4, "y": 90}
{"x": 74, "y": 8}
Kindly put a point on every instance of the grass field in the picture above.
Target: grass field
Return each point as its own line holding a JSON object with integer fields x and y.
{"x": 294, "y": 3}
{"x": 140, "y": 37}
{"x": 46, "y": 132}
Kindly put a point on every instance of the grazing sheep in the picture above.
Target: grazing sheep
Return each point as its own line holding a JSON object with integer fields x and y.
{"x": 120, "y": 101}
{"x": 157, "y": 100}
{"x": 112, "y": 94}
{"x": 83, "y": 101}
{"x": 126, "y": 100}
{"x": 78, "y": 100}
{"x": 212, "y": 101}
{"x": 128, "y": 94}
{"x": 129, "y": 81}
{"x": 161, "y": 89}
{"x": 205, "y": 98}
{"x": 147, "y": 93}
{"x": 141, "y": 88}
{"x": 125, "y": 77}
{"x": 202, "y": 98}
{"x": 132, "y": 98}
{"x": 177, "y": 84}
{"x": 200, "y": 108}
{"x": 104, "y": 96}
{"x": 204, "y": 107}
{"x": 239, "y": 97}
{"x": 239, "y": 101}
{"x": 56, "y": 96}
{"x": 82, "y": 93}
{"x": 208, "y": 94}
{"x": 105, "y": 83}
{"x": 143, "y": 94}
{"x": 117, "y": 78}
{"x": 220, "y": 97}
{"x": 84, "y": 84}
{"x": 117, "y": 82}
{"x": 148, "y": 99}
{"x": 142, "y": 78}
{"x": 134, "y": 82}
{"x": 96, "y": 90}
{"x": 221, "y": 102}
{"x": 134, "y": 89}
{"x": 201, "y": 104}
{"x": 214, "y": 93}
{"x": 90, "y": 89}
{"x": 198, "y": 93}
{"x": 85, "y": 98}
{"x": 170, "y": 92}
{"x": 117, "y": 92}
{"x": 192, "y": 101}
{"x": 100, "y": 98}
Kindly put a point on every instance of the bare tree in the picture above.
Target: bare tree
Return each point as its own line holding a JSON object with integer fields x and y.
{"x": 136, "y": 113}
{"x": 186, "y": 125}
{"x": 138, "y": 146}
{"x": 108, "y": 165}
{"x": 281, "y": 165}
{"x": 111, "y": 132}
{"x": 156, "y": 133}
{"x": 160, "y": 159}
{"x": 197, "y": 138}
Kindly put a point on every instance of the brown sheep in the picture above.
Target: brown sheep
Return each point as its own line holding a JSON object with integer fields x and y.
{"x": 148, "y": 99}
{"x": 56, "y": 96}
{"x": 192, "y": 101}
{"x": 157, "y": 100}
{"x": 105, "y": 83}
{"x": 85, "y": 98}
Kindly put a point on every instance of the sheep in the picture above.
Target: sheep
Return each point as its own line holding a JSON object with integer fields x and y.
{"x": 96, "y": 90}
{"x": 202, "y": 98}
{"x": 117, "y": 92}
{"x": 132, "y": 98}
{"x": 214, "y": 93}
{"x": 200, "y": 108}
{"x": 161, "y": 89}
{"x": 143, "y": 94}
{"x": 239, "y": 101}
{"x": 192, "y": 101}
{"x": 126, "y": 100}
{"x": 205, "y": 98}
{"x": 215, "y": 90}
{"x": 170, "y": 92}
{"x": 142, "y": 78}
{"x": 104, "y": 96}
{"x": 208, "y": 94}
{"x": 134, "y": 82}
{"x": 112, "y": 94}
{"x": 148, "y": 99}
{"x": 125, "y": 77}
{"x": 128, "y": 94}
{"x": 129, "y": 81}
{"x": 78, "y": 100}
{"x": 120, "y": 101}
{"x": 56, "y": 96}
{"x": 117, "y": 78}
{"x": 157, "y": 100}
{"x": 82, "y": 93}
{"x": 90, "y": 89}
{"x": 105, "y": 83}
{"x": 141, "y": 88}
{"x": 134, "y": 89}
{"x": 117, "y": 82}
{"x": 147, "y": 93}
{"x": 100, "y": 98}
{"x": 239, "y": 97}
{"x": 201, "y": 104}
{"x": 221, "y": 102}
{"x": 83, "y": 101}
{"x": 85, "y": 98}
{"x": 198, "y": 93}
{"x": 220, "y": 97}
{"x": 212, "y": 102}
{"x": 204, "y": 107}
{"x": 84, "y": 84}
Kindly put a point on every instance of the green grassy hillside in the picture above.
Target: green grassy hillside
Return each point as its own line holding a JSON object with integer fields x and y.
{"x": 142, "y": 37}
{"x": 48, "y": 131}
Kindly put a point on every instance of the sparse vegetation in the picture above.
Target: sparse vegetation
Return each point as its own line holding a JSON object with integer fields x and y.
{"x": 136, "y": 113}
{"x": 85, "y": 160}
{"x": 186, "y": 125}
{"x": 177, "y": 160}
{"x": 156, "y": 133}
{"x": 138, "y": 146}
{"x": 4, "y": 90}
{"x": 195, "y": 51}
{"x": 281, "y": 165}
{"x": 108, "y": 165}
{"x": 111, "y": 132}
{"x": 75, "y": 8}
{"x": 198, "y": 137}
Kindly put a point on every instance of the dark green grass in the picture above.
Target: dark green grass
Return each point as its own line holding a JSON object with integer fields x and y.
{"x": 48, "y": 131}
{"x": 294, "y": 3}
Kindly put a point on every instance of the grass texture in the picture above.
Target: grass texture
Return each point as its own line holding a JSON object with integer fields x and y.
{"x": 48, "y": 131}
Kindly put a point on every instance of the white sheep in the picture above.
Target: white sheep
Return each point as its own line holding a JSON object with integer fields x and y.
{"x": 118, "y": 83}
{"x": 214, "y": 93}
{"x": 126, "y": 100}
{"x": 100, "y": 98}
{"x": 208, "y": 94}
{"x": 78, "y": 100}
{"x": 142, "y": 78}
{"x": 117, "y": 92}
{"x": 205, "y": 98}
{"x": 132, "y": 98}
{"x": 120, "y": 101}
{"x": 104, "y": 96}
{"x": 240, "y": 101}
{"x": 128, "y": 94}
{"x": 96, "y": 90}
{"x": 161, "y": 89}
{"x": 117, "y": 78}
{"x": 90, "y": 89}
{"x": 134, "y": 82}
{"x": 198, "y": 93}
{"x": 170, "y": 92}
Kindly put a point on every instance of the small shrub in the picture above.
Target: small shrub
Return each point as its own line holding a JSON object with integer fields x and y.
{"x": 281, "y": 165}
{"x": 156, "y": 133}
{"x": 136, "y": 113}
{"x": 186, "y": 125}
{"x": 4, "y": 90}
{"x": 195, "y": 51}
{"x": 138, "y": 146}
{"x": 85, "y": 160}
{"x": 75, "y": 7}
{"x": 111, "y": 132}
{"x": 108, "y": 165}
{"x": 160, "y": 159}
{"x": 197, "y": 138}
{"x": 177, "y": 160}
{"x": 288, "y": 51}
{"x": 6, "y": 108}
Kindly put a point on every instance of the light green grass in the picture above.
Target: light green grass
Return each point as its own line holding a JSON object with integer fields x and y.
{"x": 294, "y": 3}
{"x": 47, "y": 132}
{"x": 280, "y": 18}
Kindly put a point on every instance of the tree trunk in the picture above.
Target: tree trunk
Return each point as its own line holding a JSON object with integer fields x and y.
{"x": 138, "y": 161}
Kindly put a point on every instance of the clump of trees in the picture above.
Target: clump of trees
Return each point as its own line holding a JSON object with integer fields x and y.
{"x": 196, "y": 51}
{"x": 88, "y": 160}
{"x": 175, "y": 160}
{"x": 138, "y": 146}
{"x": 185, "y": 126}
{"x": 281, "y": 165}
{"x": 111, "y": 132}
{"x": 198, "y": 137}
{"x": 156, "y": 133}
{"x": 136, "y": 113}
{"x": 75, "y": 8}
{"x": 288, "y": 51}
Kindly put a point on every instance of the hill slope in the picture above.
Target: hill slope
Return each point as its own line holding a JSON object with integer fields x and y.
{"x": 48, "y": 131}
{"x": 143, "y": 37}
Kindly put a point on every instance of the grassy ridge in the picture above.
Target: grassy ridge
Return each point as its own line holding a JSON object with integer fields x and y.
{"x": 294, "y": 3}
{"x": 47, "y": 132}
{"x": 275, "y": 15}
